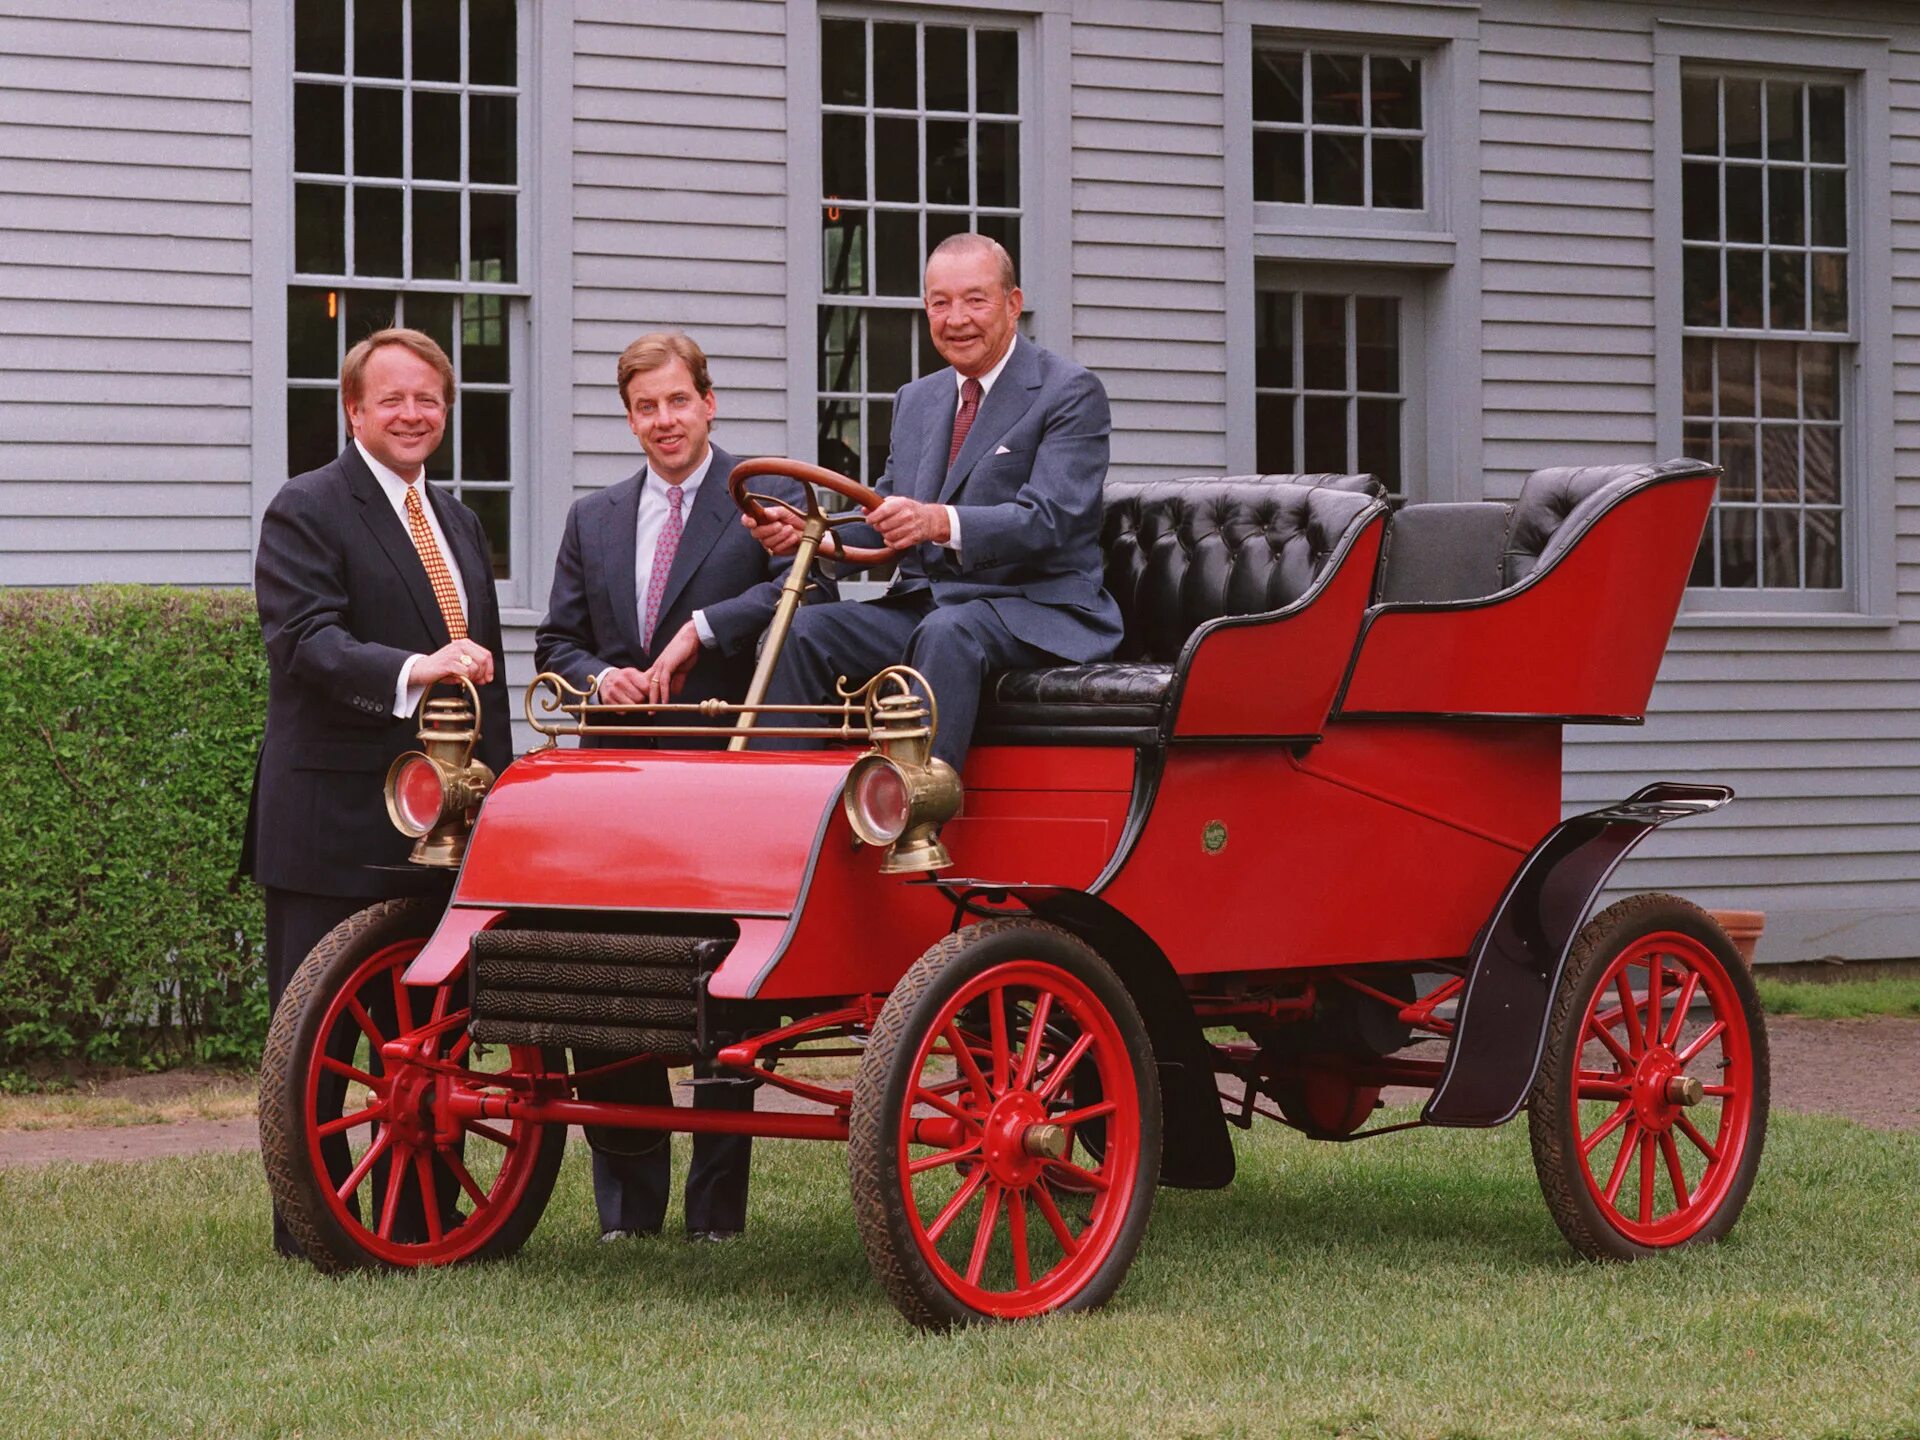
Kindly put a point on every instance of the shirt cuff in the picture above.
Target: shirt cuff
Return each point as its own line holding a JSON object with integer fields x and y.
{"x": 704, "y": 630}
{"x": 953, "y": 530}
{"x": 406, "y": 697}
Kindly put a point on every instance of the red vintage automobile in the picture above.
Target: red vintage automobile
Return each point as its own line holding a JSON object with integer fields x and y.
{"x": 1299, "y": 842}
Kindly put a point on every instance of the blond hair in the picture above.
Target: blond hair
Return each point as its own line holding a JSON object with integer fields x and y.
{"x": 353, "y": 369}
{"x": 657, "y": 350}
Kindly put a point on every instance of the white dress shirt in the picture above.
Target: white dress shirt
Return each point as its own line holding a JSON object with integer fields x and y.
{"x": 655, "y": 509}
{"x": 405, "y": 696}
{"x": 959, "y": 387}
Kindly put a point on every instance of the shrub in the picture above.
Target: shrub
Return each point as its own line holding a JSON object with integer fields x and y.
{"x": 130, "y": 716}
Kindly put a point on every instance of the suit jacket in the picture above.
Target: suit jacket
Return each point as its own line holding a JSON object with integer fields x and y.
{"x": 1027, "y": 487}
{"x": 593, "y": 615}
{"x": 344, "y": 600}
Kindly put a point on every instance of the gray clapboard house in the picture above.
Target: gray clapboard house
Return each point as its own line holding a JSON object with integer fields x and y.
{"x": 1446, "y": 240}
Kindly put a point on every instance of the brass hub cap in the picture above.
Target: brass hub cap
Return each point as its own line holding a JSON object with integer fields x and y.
{"x": 1662, "y": 1089}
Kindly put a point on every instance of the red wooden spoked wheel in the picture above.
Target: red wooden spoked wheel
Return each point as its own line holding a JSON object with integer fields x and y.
{"x": 366, "y": 1159}
{"x": 977, "y": 1195}
{"x": 1650, "y": 1109}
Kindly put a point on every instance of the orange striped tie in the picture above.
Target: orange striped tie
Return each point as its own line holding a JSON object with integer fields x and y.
{"x": 438, "y": 575}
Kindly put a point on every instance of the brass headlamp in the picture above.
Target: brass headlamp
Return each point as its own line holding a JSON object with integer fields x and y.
{"x": 897, "y": 794}
{"x": 433, "y": 792}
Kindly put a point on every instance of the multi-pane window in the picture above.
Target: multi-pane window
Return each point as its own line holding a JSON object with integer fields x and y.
{"x": 1768, "y": 332}
{"x": 406, "y": 157}
{"x": 1338, "y": 128}
{"x": 1328, "y": 384}
{"x": 920, "y": 135}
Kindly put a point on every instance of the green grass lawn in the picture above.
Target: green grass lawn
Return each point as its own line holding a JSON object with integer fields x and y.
{"x": 1841, "y": 999}
{"x": 1408, "y": 1286}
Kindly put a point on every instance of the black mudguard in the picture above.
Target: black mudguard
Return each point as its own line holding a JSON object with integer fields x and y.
{"x": 1501, "y": 1028}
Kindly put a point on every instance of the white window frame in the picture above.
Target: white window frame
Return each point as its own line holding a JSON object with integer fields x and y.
{"x": 1861, "y": 64}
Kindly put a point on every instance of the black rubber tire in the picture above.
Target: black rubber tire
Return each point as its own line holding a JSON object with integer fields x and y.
{"x": 1549, "y": 1119}
{"x": 291, "y": 1039}
{"x": 879, "y": 1094}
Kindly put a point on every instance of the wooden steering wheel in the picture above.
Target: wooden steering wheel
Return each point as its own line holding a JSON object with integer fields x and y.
{"x": 809, "y": 475}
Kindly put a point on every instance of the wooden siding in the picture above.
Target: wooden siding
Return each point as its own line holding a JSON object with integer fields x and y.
{"x": 125, "y": 287}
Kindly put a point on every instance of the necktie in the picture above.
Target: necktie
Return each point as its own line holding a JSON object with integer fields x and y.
{"x": 438, "y": 575}
{"x": 663, "y": 551}
{"x": 963, "y": 419}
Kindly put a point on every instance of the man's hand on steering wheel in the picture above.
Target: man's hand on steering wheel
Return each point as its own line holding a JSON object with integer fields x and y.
{"x": 780, "y": 535}
{"x": 904, "y": 523}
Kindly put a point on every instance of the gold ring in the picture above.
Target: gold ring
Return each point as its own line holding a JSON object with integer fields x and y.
{"x": 465, "y": 661}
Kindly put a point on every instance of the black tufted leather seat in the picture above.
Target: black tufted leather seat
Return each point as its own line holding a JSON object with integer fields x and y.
{"x": 1178, "y": 553}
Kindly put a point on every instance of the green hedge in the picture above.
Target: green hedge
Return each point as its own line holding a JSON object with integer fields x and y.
{"x": 129, "y": 717}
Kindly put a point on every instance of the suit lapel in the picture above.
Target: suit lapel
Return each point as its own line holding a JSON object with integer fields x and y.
{"x": 376, "y": 512}
{"x": 614, "y": 545}
{"x": 1011, "y": 397}
{"x": 701, "y": 527}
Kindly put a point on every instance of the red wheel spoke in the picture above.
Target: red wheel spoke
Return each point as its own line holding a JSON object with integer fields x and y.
{"x": 923, "y": 1095}
{"x": 1723, "y": 1092}
{"x": 1055, "y": 1221}
{"x": 396, "y": 1177}
{"x": 1705, "y": 1038}
{"x": 381, "y": 1141}
{"x": 997, "y": 1028}
{"x": 340, "y": 1067}
{"x": 429, "y": 1194}
{"x": 1036, "y": 1037}
{"x": 1017, "y": 1236}
{"x": 1656, "y": 974}
{"x": 349, "y": 1122}
{"x": 451, "y": 1159}
{"x": 1085, "y": 1113}
{"x": 968, "y": 1189}
{"x": 1712, "y": 1152}
{"x": 1084, "y": 1177}
{"x": 1680, "y": 1008}
{"x": 945, "y": 1157}
{"x": 1612, "y": 1123}
{"x": 487, "y": 1132}
{"x": 963, "y": 1058}
{"x": 1646, "y": 1177}
{"x": 1627, "y": 1143}
{"x": 1674, "y": 1172}
{"x": 365, "y": 1022}
{"x": 1596, "y": 1089}
{"x": 1636, "y": 1038}
{"x": 1057, "y": 1076}
{"x": 402, "y": 1009}
{"x": 983, "y": 1237}
{"x": 1600, "y": 1028}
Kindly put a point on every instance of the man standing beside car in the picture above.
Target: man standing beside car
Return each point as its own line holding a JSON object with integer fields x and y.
{"x": 371, "y": 586}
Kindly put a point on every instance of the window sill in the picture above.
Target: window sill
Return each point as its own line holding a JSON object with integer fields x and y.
{"x": 1430, "y": 248}
{"x": 1782, "y": 620}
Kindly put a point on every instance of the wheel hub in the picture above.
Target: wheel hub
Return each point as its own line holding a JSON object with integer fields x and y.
{"x": 1662, "y": 1089}
{"x": 410, "y": 1095}
{"x": 1019, "y": 1139}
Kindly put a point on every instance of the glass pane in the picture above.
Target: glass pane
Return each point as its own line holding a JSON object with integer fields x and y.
{"x": 440, "y": 463}
{"x": 896, "y": 160}
{"x": 843, "y": 62}
{"x": 1820, "y": 381}
{"x": 1743, "y": 118}
{"x": 1780, "y": 464}
{"x": 999, "y": 164}
{"x": 312, "y": 349}
{"x": 1736, "y": 376}
{"x": 1823, "y": 550}
{"x": 889, "y": 349}
{"x": 436, "y": 135}
{"x": 1273, "y": 341}
{"x": 1827, "y": 123}
{"x": 1337, "y": 178}
{"x": 320, "y": 36}
{"x": 996, "y": 71}
{"x": 1739, "y": 569}
{"x": 843, "y": 156}
{"x": 484, "y": 344}
{"x": 1325, "y": 435}
{"x": 840, "y": 436}
{"x": 1279, "y": 171}
{"x": 927, "y": 358}
{"x": 1786, "y": 139}
{"x": 434, "y": 315}
{"x": 946, "y": 68}
{"x": 493, "y": 46}
{"x": 1780, "y": 544}
{"x": 941, "y": 224}
{"x": 896, "y": 67}
{"x": 1736, "y": 458}
{"x": 1746, "y": 290}
{"x": 1378, "y": 436}
{"x": 1700, "y": 201}
{"x": 1697, "y": 442}
{"x": 1787, "y": 290}
{"x": 896, "y": 257}
{"x": 313, "y": 435}
{"x": 1273, "y": 434}
{"x": 1006, "y": 230}
{"x": 1700, "y": 115}
{"x": 1276, "y": 86}
{"x": 1395, "y": 84}
{"x": 1822, "y": 465}
{"x": 319, "y": 229}
{"x": 483, "y": 435}
{"x": 376, "y": 131}
{"x": 1703, "y": 558}
{"x": 1376, "y": 342}
{"x": 948, "y": 163}
{"x": 1701, "y": 286}
{"x": 436, "y": 234}
{"x": 1743, "y": 203}
{"x": 1786, "y": 206}
{"x": 1696, "y": 378}
{"x": 436, "y": 39}
{"x": 1336, "y": 90}
{"x": 319, "y": 129}
{"x": 494, "y": 507}
{"x": 376, "y": 230}
{"x": 495, "y": 247}
{"x": 1397, "y": 181}
{"x": 1830, "y": 292}
{"x": 843, "y": 251}
{"x": 1323, "y": 334}
{"x": 365, "y": 311}
{"x": 879, "y": 438}
{"x": 839, "y": 348}
{"x": 493, "y": 155}
{"x": 376, "y": 39}
{"x": 1829, "y": 207}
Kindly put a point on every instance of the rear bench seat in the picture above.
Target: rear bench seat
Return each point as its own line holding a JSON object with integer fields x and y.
{"x": 1178, "y": 553}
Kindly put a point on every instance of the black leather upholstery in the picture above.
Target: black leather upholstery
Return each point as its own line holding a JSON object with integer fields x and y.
{"x": 1556, "y": 505}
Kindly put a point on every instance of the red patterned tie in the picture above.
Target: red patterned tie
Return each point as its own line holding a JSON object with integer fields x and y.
{"x": 663, "y": 551}
{"x": 963, "y": 420}
{"x": 438, "y": 575}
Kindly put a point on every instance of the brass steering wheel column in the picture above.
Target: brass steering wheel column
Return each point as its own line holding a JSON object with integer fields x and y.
{"x": 433, "y": 793}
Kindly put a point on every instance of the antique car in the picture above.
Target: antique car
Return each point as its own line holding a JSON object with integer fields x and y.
{"x": 1301, "y": 841}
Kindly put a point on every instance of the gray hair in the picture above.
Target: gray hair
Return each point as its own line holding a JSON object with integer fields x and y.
{"x": 969, "y": 242}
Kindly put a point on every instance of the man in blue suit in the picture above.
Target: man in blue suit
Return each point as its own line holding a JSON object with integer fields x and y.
{"x": 657, "y": 592}
{"x": 993, "y": 499}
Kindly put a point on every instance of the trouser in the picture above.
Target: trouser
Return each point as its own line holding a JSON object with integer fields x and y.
{"x": 632, "y": 1169}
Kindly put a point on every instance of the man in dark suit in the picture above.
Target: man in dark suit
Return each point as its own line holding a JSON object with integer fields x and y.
{"x": 993, "y": 499}
{"x": 371, "y": 585}
{"x": 658, "y": 593}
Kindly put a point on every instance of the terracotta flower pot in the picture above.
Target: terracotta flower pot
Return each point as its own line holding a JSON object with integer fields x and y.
{"x": 1743, "y": 927}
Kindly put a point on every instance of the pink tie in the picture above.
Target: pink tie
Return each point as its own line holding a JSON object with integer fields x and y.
{"x": 963, "y": 419}
{"x": 663, "y": 551}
